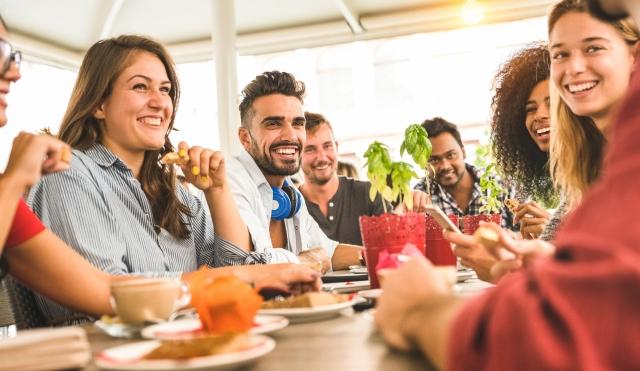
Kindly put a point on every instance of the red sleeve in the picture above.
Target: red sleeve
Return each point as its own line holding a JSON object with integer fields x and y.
{"x": 579, "y": 309}
{"x": 25, "y": 225}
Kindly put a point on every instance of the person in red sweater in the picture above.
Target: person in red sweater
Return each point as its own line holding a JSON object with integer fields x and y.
{"x": 576, "y": 309}
{"x": 39, "y": 259}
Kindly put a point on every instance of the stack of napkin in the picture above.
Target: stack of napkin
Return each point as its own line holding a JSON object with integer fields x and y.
{"x": 45, "y": 349}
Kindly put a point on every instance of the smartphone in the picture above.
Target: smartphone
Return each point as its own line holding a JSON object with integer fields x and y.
{"x": 436, "y": 213}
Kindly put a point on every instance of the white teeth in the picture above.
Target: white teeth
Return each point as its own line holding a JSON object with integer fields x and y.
{"x": 543, "y": 131}
{"x": 576, "y": 88}
{"x": 286, "y": 151}
{"x": 153, "y": 121}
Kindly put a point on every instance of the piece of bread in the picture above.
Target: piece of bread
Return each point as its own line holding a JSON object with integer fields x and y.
{"x": 173, "y": 158}
{"x": 307, "y": 300}
{"x": 65, "y": 155}
{"x": 486, "y": 236}
{"x": 512, "y": 204}
{"x": 199, "y": 347}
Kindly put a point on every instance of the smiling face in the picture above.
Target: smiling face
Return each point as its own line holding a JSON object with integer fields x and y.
{"x": 591, "y": 64}
{"x": 537, "y": 115}
{"x": 137, "y": 114}
{"x": 319, "y": 157}
{"x": 276, "y": 134}
{"x": 12, "y": 75}
{"x": 447, "y": 158}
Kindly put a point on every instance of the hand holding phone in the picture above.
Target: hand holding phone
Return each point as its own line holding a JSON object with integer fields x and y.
{"x": 436, "y": 213}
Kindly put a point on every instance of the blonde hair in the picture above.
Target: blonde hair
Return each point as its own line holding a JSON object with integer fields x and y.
{"x": 577, "y": 145}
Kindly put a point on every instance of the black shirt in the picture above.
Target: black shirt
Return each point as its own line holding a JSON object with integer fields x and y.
{"x": 345, "y": 207}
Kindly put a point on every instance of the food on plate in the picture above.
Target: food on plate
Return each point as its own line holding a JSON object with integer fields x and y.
{"x": 65, "y": 155}
{"x": 200, "y": 346}
{"x": 224, "y": 304}
{"x": 512, "y": 204}
{"x": 175, "y": 158}
{"x": 307, "y": 300}
{"x": 486, "y": 236}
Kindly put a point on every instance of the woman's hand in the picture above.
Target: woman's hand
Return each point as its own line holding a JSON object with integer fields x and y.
{"x": 291, "y": 278}
{"x": 508, "y": 254}
{"x": 35, "y": 155}
{"x": 533, "y": 219}
{"x": 406, "y": 291}
{"x": 205, "y": 169}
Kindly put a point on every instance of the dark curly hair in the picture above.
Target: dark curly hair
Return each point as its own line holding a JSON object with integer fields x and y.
{"x": 272, "y": 82}
{"x": 515, "y": 152}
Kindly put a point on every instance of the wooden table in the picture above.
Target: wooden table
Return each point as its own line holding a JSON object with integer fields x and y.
{"x": 347, "y": 342}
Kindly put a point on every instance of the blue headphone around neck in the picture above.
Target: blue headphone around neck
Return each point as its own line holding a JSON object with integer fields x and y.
{"x": 286, "y": 201}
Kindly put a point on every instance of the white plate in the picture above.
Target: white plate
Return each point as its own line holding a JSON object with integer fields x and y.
{"x": 311, "y": 314}
{"x": 463, "y": 275}
{"x": 188, "y": 328}
{"x": 358, "y": 269}
{"x": 371, "y": 294}
{"x": 129, "y": 357}
{"x": 118, "y": 329}
{"x": 346, "y": 287}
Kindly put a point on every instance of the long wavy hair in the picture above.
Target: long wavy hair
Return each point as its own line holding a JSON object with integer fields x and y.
{"x": 515, "y": 152}
{"x": 100, "y": 68}
{"x": 577, "y": 145}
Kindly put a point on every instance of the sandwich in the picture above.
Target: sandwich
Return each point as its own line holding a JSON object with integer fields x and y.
{"x": 512, "y": 204}
{"x": 175, "y": 158}
{"x": 307, "y": 300}
{"x": 486, "y": 236}
{"x": 200, "y": 346}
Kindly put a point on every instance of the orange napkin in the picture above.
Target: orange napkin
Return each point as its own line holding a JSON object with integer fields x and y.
{"x": 387, "y": 260}
{"x": 224, "y": 304}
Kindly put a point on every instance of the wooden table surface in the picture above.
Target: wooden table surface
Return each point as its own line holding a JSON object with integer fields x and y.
{"x": 347, "y": 342}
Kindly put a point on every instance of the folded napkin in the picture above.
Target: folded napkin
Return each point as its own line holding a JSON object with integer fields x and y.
{"x": 45, "y": 349}
{"x": 390, "y": 260}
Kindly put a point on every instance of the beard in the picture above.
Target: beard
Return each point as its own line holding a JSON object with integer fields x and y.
{"x": 319, "y": 180}
{"x": 269, "y": 166}
{"x": 457, "y": 177}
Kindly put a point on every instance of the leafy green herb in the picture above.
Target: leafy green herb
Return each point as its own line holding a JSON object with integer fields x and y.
{"x": 391, "y": 179}
{"x": 491, "y": 189}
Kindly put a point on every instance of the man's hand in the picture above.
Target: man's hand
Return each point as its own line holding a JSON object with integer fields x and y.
{"x": 346, "y": 255}
{"x": 316, "y": 255}
{"x": 291, "y": 278}
{"x": 405, "y": 291}
{"x": 35, "y": 155}
{"x": 420, "y": 200}
{"x": 532, "y": 218}
{"x": 205, "y": 168}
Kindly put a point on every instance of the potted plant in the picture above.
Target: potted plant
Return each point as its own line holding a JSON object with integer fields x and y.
{"x": 392, "y": 231}
{"x": 492, "y": 192}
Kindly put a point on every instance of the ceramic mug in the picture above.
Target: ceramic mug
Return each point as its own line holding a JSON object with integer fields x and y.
{"x": 137, "y": 301}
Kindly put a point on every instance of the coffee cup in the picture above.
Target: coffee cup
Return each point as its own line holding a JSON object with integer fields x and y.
{"x": 137, "y": 301}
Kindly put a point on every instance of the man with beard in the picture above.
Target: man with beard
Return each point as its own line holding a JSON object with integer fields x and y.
{"x": 272, "y": 134}
{"x": 455, "y": 188}
{"x": 335, "y": 202}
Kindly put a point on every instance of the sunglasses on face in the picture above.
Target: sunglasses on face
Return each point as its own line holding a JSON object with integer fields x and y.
{"x": 7, "y": 56}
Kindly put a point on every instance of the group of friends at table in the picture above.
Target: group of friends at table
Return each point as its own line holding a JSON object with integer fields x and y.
{"x": 100, "y": 206}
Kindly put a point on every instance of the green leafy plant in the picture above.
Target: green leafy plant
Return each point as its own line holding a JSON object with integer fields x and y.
{"x": 391, "y": 179}
{"x": 491, "y": 188}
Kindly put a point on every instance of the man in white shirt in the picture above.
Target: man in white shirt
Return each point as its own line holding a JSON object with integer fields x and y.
{"x": 273, "y": 135}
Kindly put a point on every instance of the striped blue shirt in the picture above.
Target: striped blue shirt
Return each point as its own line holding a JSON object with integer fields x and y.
{"x": 99, "y": 208}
